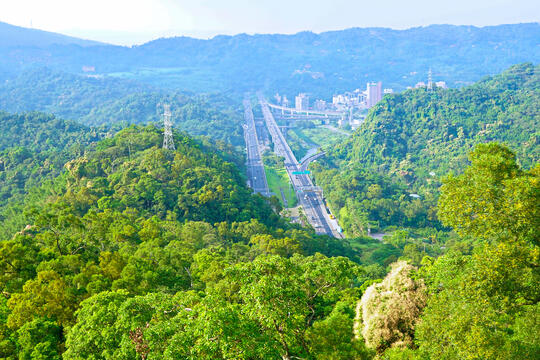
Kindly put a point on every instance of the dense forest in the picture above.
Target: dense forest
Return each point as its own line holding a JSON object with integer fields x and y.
{"x": 321, "y": 64}
{"x": 105, "y": 101}
{"x": 143, "y": 253}
{"x": 389, "y": 171}
{"x": 172, "y": 232}
{"x": 33, "y": 150}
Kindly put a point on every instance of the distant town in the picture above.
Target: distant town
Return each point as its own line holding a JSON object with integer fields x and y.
{"x": 357, "y": 99}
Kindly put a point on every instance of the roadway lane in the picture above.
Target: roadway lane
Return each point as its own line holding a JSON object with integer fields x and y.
{"x": 255, "y": 167}
{"x": 311, "y": 201}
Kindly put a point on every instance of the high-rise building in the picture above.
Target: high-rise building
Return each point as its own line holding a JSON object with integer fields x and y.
{"x": 285, "y": 101}
{"x": 320, "y": 105}
{"x": 302, "y": 102}
{"x": 374, "y": 93}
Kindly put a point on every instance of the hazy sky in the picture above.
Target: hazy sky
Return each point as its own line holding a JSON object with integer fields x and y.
{"x": 136, "y": 21}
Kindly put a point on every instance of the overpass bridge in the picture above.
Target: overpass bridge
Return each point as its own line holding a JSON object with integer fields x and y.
{"x": 308, "y": 114}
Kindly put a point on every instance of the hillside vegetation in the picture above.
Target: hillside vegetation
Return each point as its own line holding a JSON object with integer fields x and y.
{"x": 105, "y": 101}
{"x": 411, "y": 140}
{"x": 129, "y": 222}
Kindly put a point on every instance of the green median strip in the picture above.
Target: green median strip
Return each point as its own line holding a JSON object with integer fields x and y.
{"x": 278, "y": 178}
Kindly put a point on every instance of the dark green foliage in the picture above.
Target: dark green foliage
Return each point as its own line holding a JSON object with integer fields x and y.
{"x": 33, "y": 149}
{"x": 97, "y": 101}
{"x": 483, "y": 302}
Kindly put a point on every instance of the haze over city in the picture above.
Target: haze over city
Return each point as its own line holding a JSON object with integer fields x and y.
{"x": 130, "y": 22}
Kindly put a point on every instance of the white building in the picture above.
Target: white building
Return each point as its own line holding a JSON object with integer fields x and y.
{"x": 302, "y": 102}
{"x": 441, "y": 84}
{"x": 320, "y": 105}
{"x": 374, "y": 93}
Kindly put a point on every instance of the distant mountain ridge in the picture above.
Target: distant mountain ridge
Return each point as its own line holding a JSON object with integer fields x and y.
{"x": 321, "y": 64}
{"x": 16, "y": 36}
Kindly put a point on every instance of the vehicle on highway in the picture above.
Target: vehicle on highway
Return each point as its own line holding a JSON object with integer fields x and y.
{"x": 332, "y": 216}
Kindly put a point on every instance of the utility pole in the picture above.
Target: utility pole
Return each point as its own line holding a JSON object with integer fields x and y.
{"x": 168, "y": 142}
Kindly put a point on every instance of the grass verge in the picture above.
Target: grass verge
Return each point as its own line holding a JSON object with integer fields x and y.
{"x": 278, "y": 178}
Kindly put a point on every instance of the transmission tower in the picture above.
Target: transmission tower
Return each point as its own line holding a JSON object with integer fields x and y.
{"x": 430, "y": 80}
{"x": 168, "y": 142}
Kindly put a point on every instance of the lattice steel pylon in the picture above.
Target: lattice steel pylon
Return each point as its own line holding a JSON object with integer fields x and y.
{"x": 430, "y": 80}
{"x": 168, "y": 142}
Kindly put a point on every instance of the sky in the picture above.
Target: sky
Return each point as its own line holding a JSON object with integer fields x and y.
{"x": 129, "y": 22}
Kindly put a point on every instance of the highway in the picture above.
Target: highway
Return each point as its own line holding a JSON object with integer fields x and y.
{"x": 255, "y": 167}
{"x": 310, "y": 199}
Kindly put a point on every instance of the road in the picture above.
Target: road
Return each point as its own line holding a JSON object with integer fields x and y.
{"x": 255, "y": 167}
{"x": 310, "y": 199}
{"x": 305, "y": 163}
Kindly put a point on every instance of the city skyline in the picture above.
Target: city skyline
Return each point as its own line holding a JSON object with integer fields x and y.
{"x": 133, "y": 22}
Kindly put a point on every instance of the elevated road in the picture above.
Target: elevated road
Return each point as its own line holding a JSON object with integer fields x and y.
{"x": 308, "y": 196}
{"x": 255, "y": 167}
{"x": 304, "y": 165}
{"x": 306, "y": 112}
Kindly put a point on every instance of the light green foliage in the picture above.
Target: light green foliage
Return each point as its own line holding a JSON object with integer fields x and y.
{"x": 493, "y": 198}
{"x": 132, "y": 234}
{"x": 269, "y": 308}
{"x": 96, "y": 334}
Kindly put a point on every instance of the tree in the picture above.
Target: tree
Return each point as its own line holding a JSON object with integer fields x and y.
{"x": 96, "y": 334}
{"x": 39, "y": 339}
{"x": 388, "y": 311}
{"x": 493, "y": 198}
{"x": 46, "y": 296}
{"x": 484, "y": 305}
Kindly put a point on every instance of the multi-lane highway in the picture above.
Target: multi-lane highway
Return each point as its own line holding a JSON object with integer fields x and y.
{"x": 255, "y": 167}
{"x": 310, "y": 199}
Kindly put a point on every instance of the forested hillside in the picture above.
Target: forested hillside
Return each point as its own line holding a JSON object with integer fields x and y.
{"x": 98, "y": 101}
{"x": 481, "y": 300}
{"x": 33, "y": 150}
{"x": 144, "y": 253}
{"x": 171, "y": 233}
{"x": 389, "y": 171}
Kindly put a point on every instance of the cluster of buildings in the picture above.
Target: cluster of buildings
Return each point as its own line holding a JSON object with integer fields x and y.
{"x": 358, "y": 99}
{"x": 421, "y": 84}
{"x": 355, "y": 99}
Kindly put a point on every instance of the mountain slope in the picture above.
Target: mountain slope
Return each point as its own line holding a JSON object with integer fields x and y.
{"x": 97, "y": 101}
{"x": 410, "y": 140}
{"x": 16, "y": 36}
